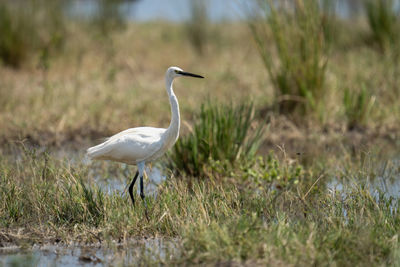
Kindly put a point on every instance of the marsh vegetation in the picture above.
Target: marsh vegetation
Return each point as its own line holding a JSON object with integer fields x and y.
{"x": 288, "y": 152}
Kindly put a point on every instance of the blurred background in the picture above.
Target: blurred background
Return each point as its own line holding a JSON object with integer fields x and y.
{"x": 75, "y": 70}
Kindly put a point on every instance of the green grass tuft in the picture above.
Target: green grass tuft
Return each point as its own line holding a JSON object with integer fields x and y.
{"x": 222, "y": 133}
{"x": 358, "y": 107}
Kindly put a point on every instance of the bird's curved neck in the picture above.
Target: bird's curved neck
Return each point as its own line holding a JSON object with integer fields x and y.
{"x": 173, "y": 129}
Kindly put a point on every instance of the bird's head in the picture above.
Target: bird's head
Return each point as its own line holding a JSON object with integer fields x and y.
{"x": 174, "y": 72}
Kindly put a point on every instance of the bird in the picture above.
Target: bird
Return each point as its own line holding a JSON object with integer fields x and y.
{"x": 142, "y": 145}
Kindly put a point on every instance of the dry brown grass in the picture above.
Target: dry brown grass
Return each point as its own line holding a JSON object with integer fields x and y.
{"x": 99, "y": 87}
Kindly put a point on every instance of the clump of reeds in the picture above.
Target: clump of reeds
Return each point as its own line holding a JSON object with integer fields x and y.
{"x": 221, "y": 133}
{"x": 197, "y": 27}
{"x": 291, "y": 40}
{"x": 384, "y": 21}
{"x": 358, "y": 106}
{"x": 110, "y": 16}
{"x": 30, "y": 28}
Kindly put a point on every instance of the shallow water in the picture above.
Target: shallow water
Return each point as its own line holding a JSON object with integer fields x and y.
{"x": 383, "y": 178}
{"x": 155, "y": 174}
{"x": 114, "y": 254}
{"x": 382, "y": 181}
{"x": 120, "y": 184}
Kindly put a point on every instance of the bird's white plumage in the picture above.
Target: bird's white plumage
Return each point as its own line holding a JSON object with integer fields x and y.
{"x": 139, "y": 145}
{"x": 130, "y": 146}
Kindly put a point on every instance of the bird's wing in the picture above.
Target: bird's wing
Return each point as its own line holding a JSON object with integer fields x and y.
{"x": 143, "y": 131}
{"x": 129, "y": 146}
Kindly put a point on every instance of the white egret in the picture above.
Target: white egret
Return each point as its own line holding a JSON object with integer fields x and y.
{"x": 141, "y": 145}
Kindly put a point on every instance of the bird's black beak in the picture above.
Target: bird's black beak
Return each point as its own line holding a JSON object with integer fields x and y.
{"x": 190, "y": 74}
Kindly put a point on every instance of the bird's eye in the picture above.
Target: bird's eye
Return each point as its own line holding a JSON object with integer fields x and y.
{"x": 177, "y": 72}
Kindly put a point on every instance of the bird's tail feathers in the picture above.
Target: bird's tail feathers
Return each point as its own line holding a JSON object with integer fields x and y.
{"x": 95, "y": 151}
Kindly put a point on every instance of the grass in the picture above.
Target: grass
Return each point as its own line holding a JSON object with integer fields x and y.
{"x": 288, "y": 217}
{"x": 384, "y": 22}
{"x": 222, "y": 134}
{"x": 358, "y": 106}
{"x": 298, "y": 41}
{"x": 22, "y": 30}
{"x": 109, "y": 17}
{"x": 12, "y": 44}
{"x": 198, "y": 28}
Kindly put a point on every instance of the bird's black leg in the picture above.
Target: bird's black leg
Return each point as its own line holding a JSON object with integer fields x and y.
{"x": 131, "y": 187}
{"x": 142, "y": 196}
